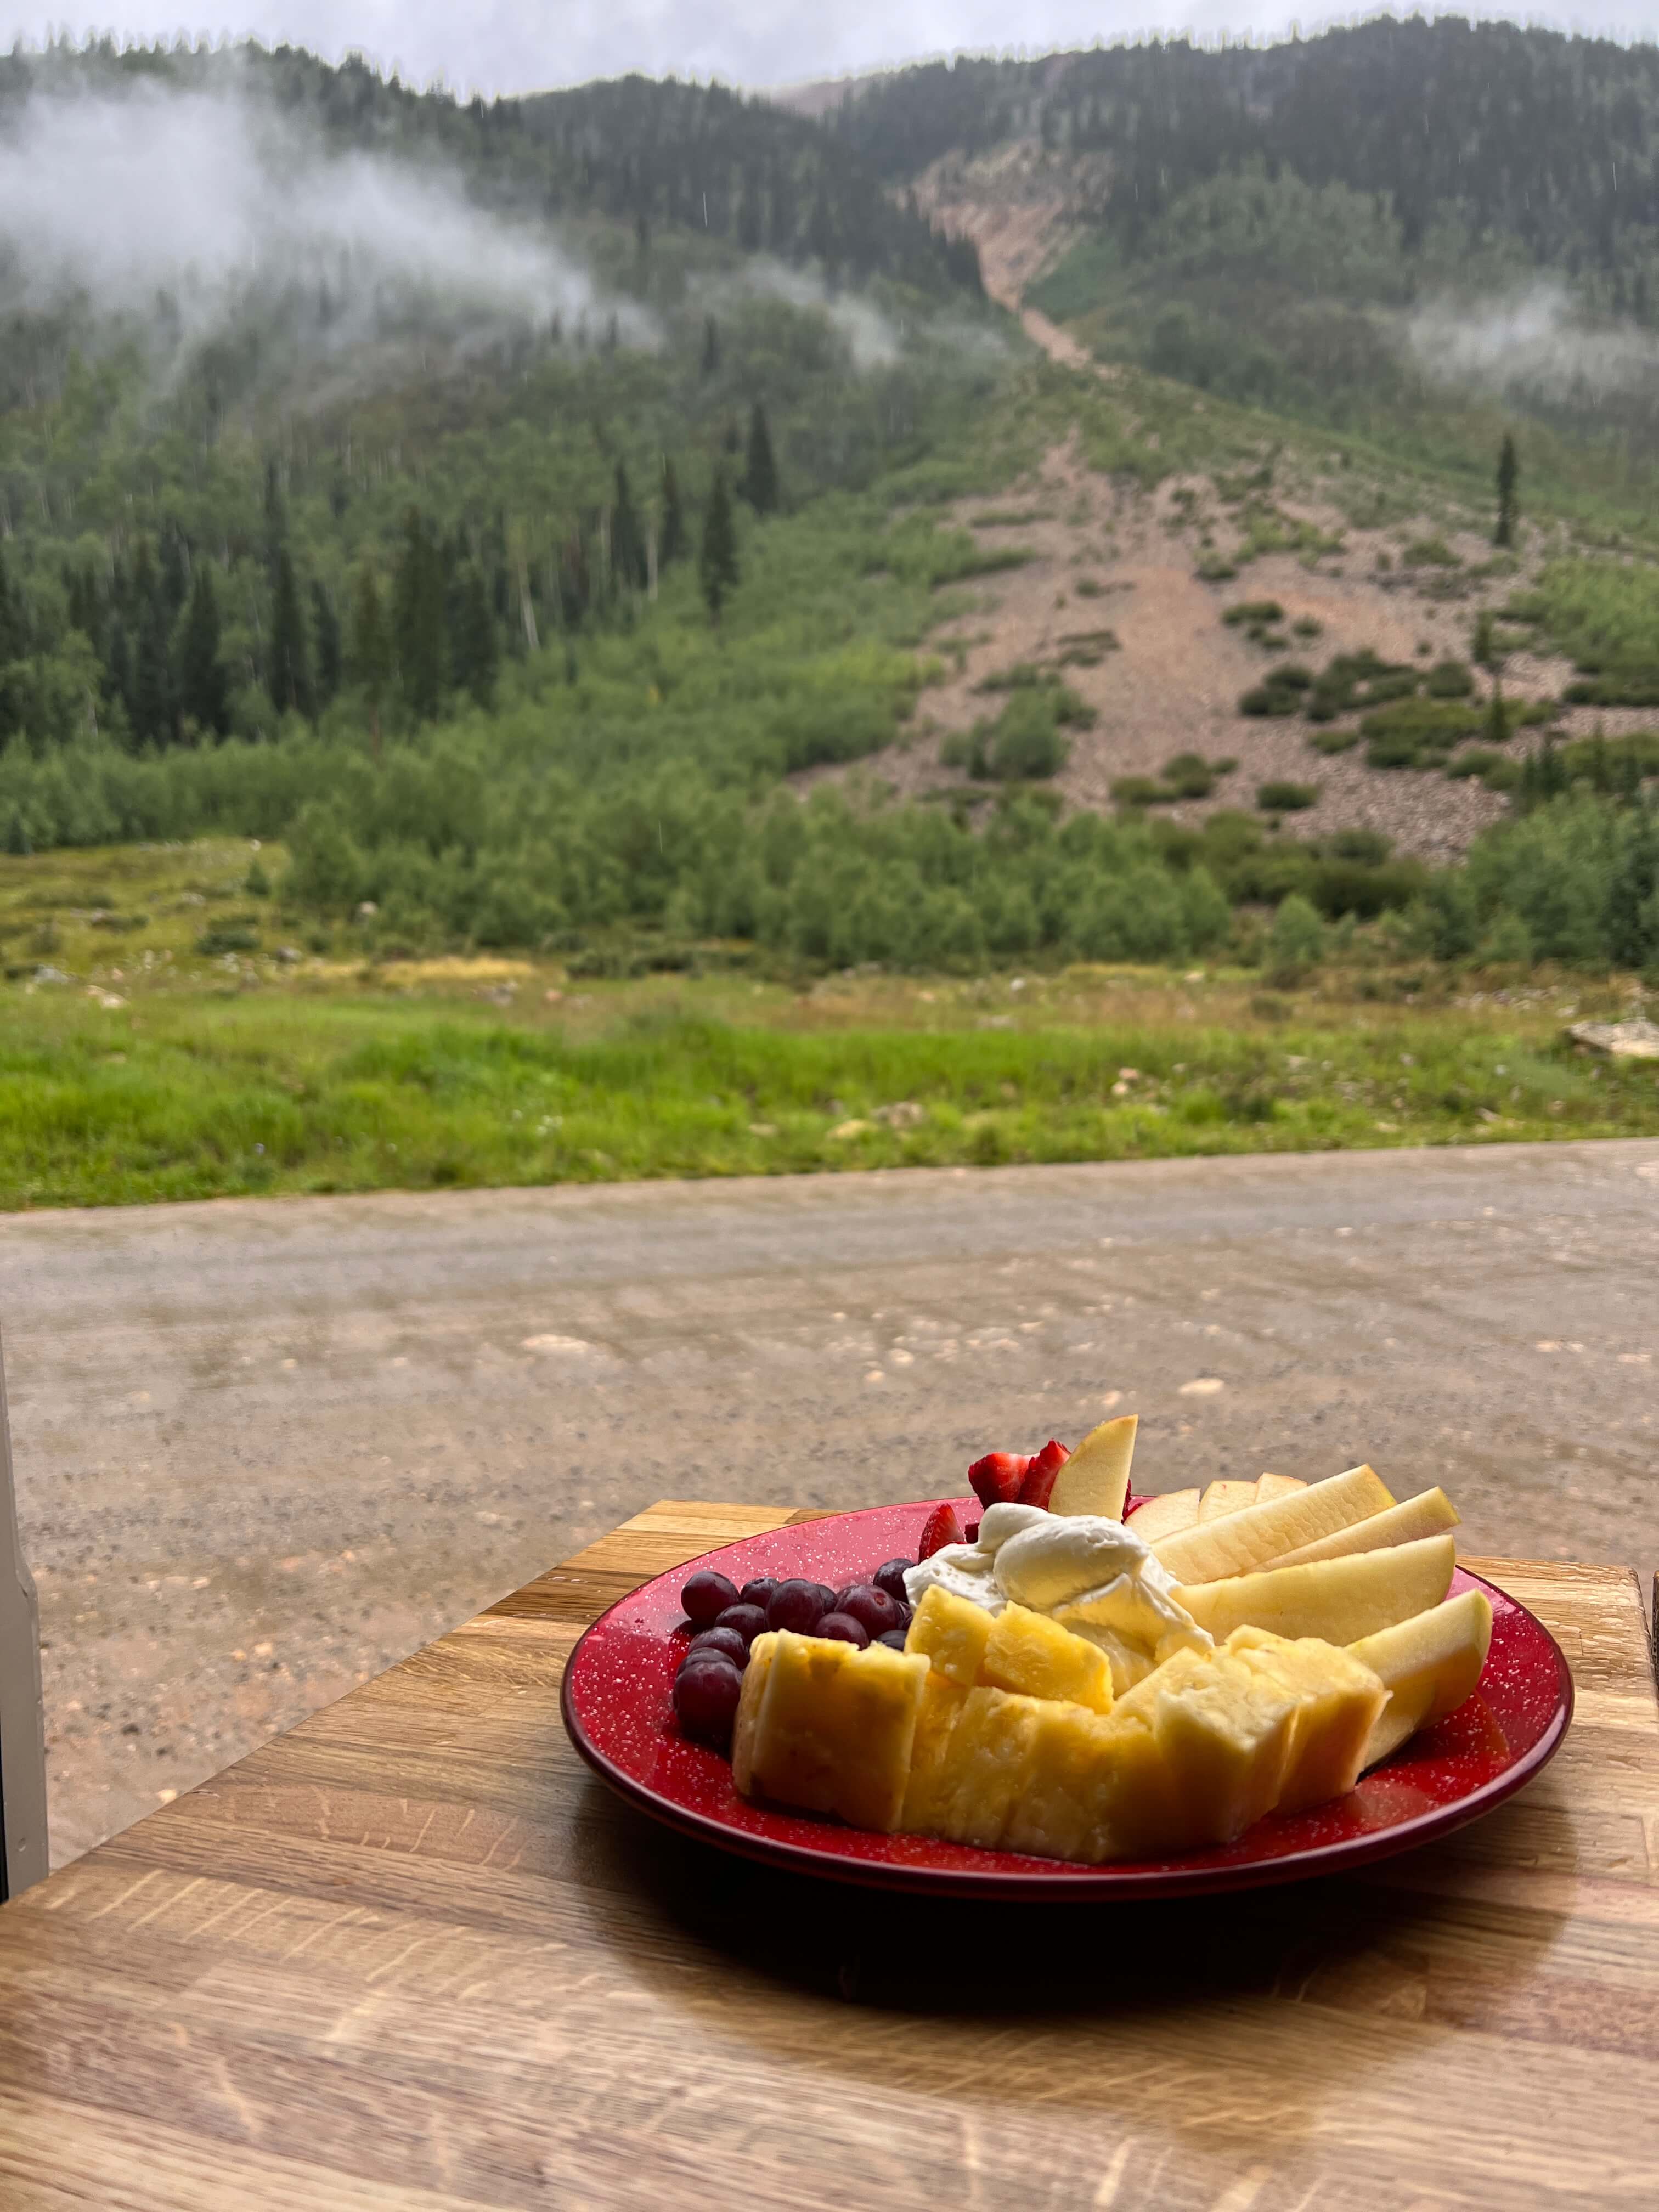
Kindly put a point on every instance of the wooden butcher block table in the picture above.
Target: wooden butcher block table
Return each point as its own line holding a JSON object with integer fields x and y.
{"x": 413, "y": 1954}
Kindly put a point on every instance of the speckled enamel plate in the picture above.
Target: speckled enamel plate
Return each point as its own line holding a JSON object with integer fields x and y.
{"x": 616, "y": 1707}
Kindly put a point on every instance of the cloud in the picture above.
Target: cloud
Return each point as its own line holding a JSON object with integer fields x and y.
{"x": 210, "y": 197}
{"x": 1535, "y": 342}
{"x": 519, "y": 45}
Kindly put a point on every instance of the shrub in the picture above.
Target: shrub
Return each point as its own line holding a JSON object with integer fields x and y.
{"x": 1452, "y": 921}
{"x": 1416, "y": 732}
{"x": 1430, "y": 553}
{"x": 1369, "y": 846}
{"x": 1024, "y": 742}
{"x": 1340, "y": 887}
{"x": 1333, "y": 741}
{"x": 1509, "y": 942}
{"x": 1282, "y": 798}
{"x": 1305, "y": 626}
{"x": 1141, "y": 790}
{"x": 1189, "y": 775}
{"x": 1451, "y": 679}
{"x": 1350, "y": 680}
{"x": 1252, "y": 614}
{"x": 212, "y": 942}
{"x": 1270, "y": 699}
{"x": 1297, "y": 939}
{"x": 1292, "y": 676}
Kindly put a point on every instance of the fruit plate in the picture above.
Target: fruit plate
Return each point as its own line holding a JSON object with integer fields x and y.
{"x": 616, "y": 1704}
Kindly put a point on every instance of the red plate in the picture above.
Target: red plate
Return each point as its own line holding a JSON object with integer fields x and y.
{"x": 615, "y": 1706}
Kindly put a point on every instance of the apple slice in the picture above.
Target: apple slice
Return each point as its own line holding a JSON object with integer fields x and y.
{"x": 1038, "y": 1485}
{"x": 1241, "y": 1543}
{"x": 1338, "y": 1599}
{"x": 1429, "y": 1665}
{"x": 1225, "y": 1497}
{"x": 1425, "y": 1515}
{"x": 1161, "y": 1517}
{"x": 1277, "y": 1486}
{"x": 1096, "y": 1478}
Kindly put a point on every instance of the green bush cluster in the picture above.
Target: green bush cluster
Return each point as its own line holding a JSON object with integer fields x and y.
{"x": 1024, "y": 743}
{"x": 1581, "y": 876}
{"x": 1186, "y": 776}
{"x": 1282, "y": 797}
{"x": 1418, "y": 732}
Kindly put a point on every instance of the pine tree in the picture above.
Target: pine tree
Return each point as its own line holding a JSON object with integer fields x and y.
{"x": 1632, "y": 929}
{"x": 204, "y": 684}
{"x": 17, "y": 836}
{"x": 368, "y": 648}
{"x": 1509, "y": 475}
{"x": 418, "y": 628}
{"x": 474, "y": 653}
{"x": 1496, "y": 729}
{"x": 325, "y": 630}
{"x": 711, "y": 345}
{"x": 154, "y": 707}
{"x": 760, "y": 476}
{"x": 671, "y": 543}
{"x": 276, "y": 514}
{"x": 627, "y": 538}
{"x": 289, "y": 669}
{"x": 717, "y": 567}
{"x": 175, "y": 571}
{"x": 14, "y": 618}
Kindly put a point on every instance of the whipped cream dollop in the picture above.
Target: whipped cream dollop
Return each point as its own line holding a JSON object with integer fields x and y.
{"x": 1095, "y": 1577}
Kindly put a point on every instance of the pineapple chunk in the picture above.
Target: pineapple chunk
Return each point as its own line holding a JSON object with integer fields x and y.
{"x": 1339, "y": 1599}
{"x": 987, "y": 1759}
{"x": 1225, "y": 1497}
{"x": 951, "y": 1633}
{"x": 1429, "y": 1665}
{"x": 761, "y": 1653}
{"x": 1029, "y": 1653}
{"x": 1224, "y": 1736}
{"x": 928, "y": 1791}
{"x": 833, "y": 1727}
{"x": 1423, "y": 1515}
{"x": 1162, "y": 1517}
{"x": 1055, "y": 1815}
{"x": 1339, "y": 1700}
{"x": 1277, "y": 1486}
{"x": 1241, "y": 1543}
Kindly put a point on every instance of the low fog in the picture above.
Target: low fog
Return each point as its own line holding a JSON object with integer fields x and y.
{"x": 1536, "y": 341}
{"x": 210, "y": 198}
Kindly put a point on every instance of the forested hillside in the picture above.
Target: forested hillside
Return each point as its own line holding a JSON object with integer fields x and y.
{"x": 1352, "y": 227}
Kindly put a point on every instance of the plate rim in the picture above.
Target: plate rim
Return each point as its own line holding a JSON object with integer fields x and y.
{"x": 1092, "y": 1885}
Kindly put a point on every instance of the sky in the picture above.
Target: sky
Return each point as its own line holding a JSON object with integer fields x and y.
{"x": 520, "y": 45}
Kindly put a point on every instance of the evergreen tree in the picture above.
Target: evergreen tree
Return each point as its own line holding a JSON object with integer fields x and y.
{"x": 671, "y": 543}
{"x": 717, "y": 567}
{"x": 117, "y": 668}
{"x": 154, "y": 707}
{"x": 368, "y": 648}
{"x": 1509, "y": 475}
{"x": 627, "y": 537}
{"x": 204, "y": 685}
{"x": 418, "y": 628}
{"x": 760, "y": 477}
{"x": 1632, "y": 911}
{"x": 17, "y": 836}
{"x": 1496, "y": 728}
{"x": 276, "y": 514}
{"x": 289, "y": 672}
{"x": 14, "y": 618}
{"x": 473, "y": 649}
{"x": 175, "y": 571}
{"x": 711, "y": 345}
{"x": 325, "y": 630}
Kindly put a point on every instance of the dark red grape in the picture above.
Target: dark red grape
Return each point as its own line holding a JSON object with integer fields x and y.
{"x": 749, "y": 1620}
{"x": 894, "y": 1639}
{"x": 800, "y": 1606}
{"x": 890, "y": 1577}
{"x": 706, "y": 1701}
{"x": 842, "y": 1628}
{"x": 872, "y": 1609}
{"x": 706, "y": 1597}
{"x": 907, "y": 1614}
{"x": 758, "y": 1591}
{"x": 727, "y": 1641}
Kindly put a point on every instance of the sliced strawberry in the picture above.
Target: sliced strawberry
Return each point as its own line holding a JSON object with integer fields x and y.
{"x": 996, "y": 1478}
{"x": 942, "y": 1527}
{"x": 1038, "y": 1487}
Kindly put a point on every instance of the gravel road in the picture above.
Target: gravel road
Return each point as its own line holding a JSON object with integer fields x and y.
{"x": 265, "y": 1447}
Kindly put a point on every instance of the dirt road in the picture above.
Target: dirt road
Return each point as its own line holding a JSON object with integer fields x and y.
{"x": 265, "y": 1447}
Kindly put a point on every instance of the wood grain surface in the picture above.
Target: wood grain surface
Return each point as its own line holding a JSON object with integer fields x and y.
{"x": 413, "y": 1955}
